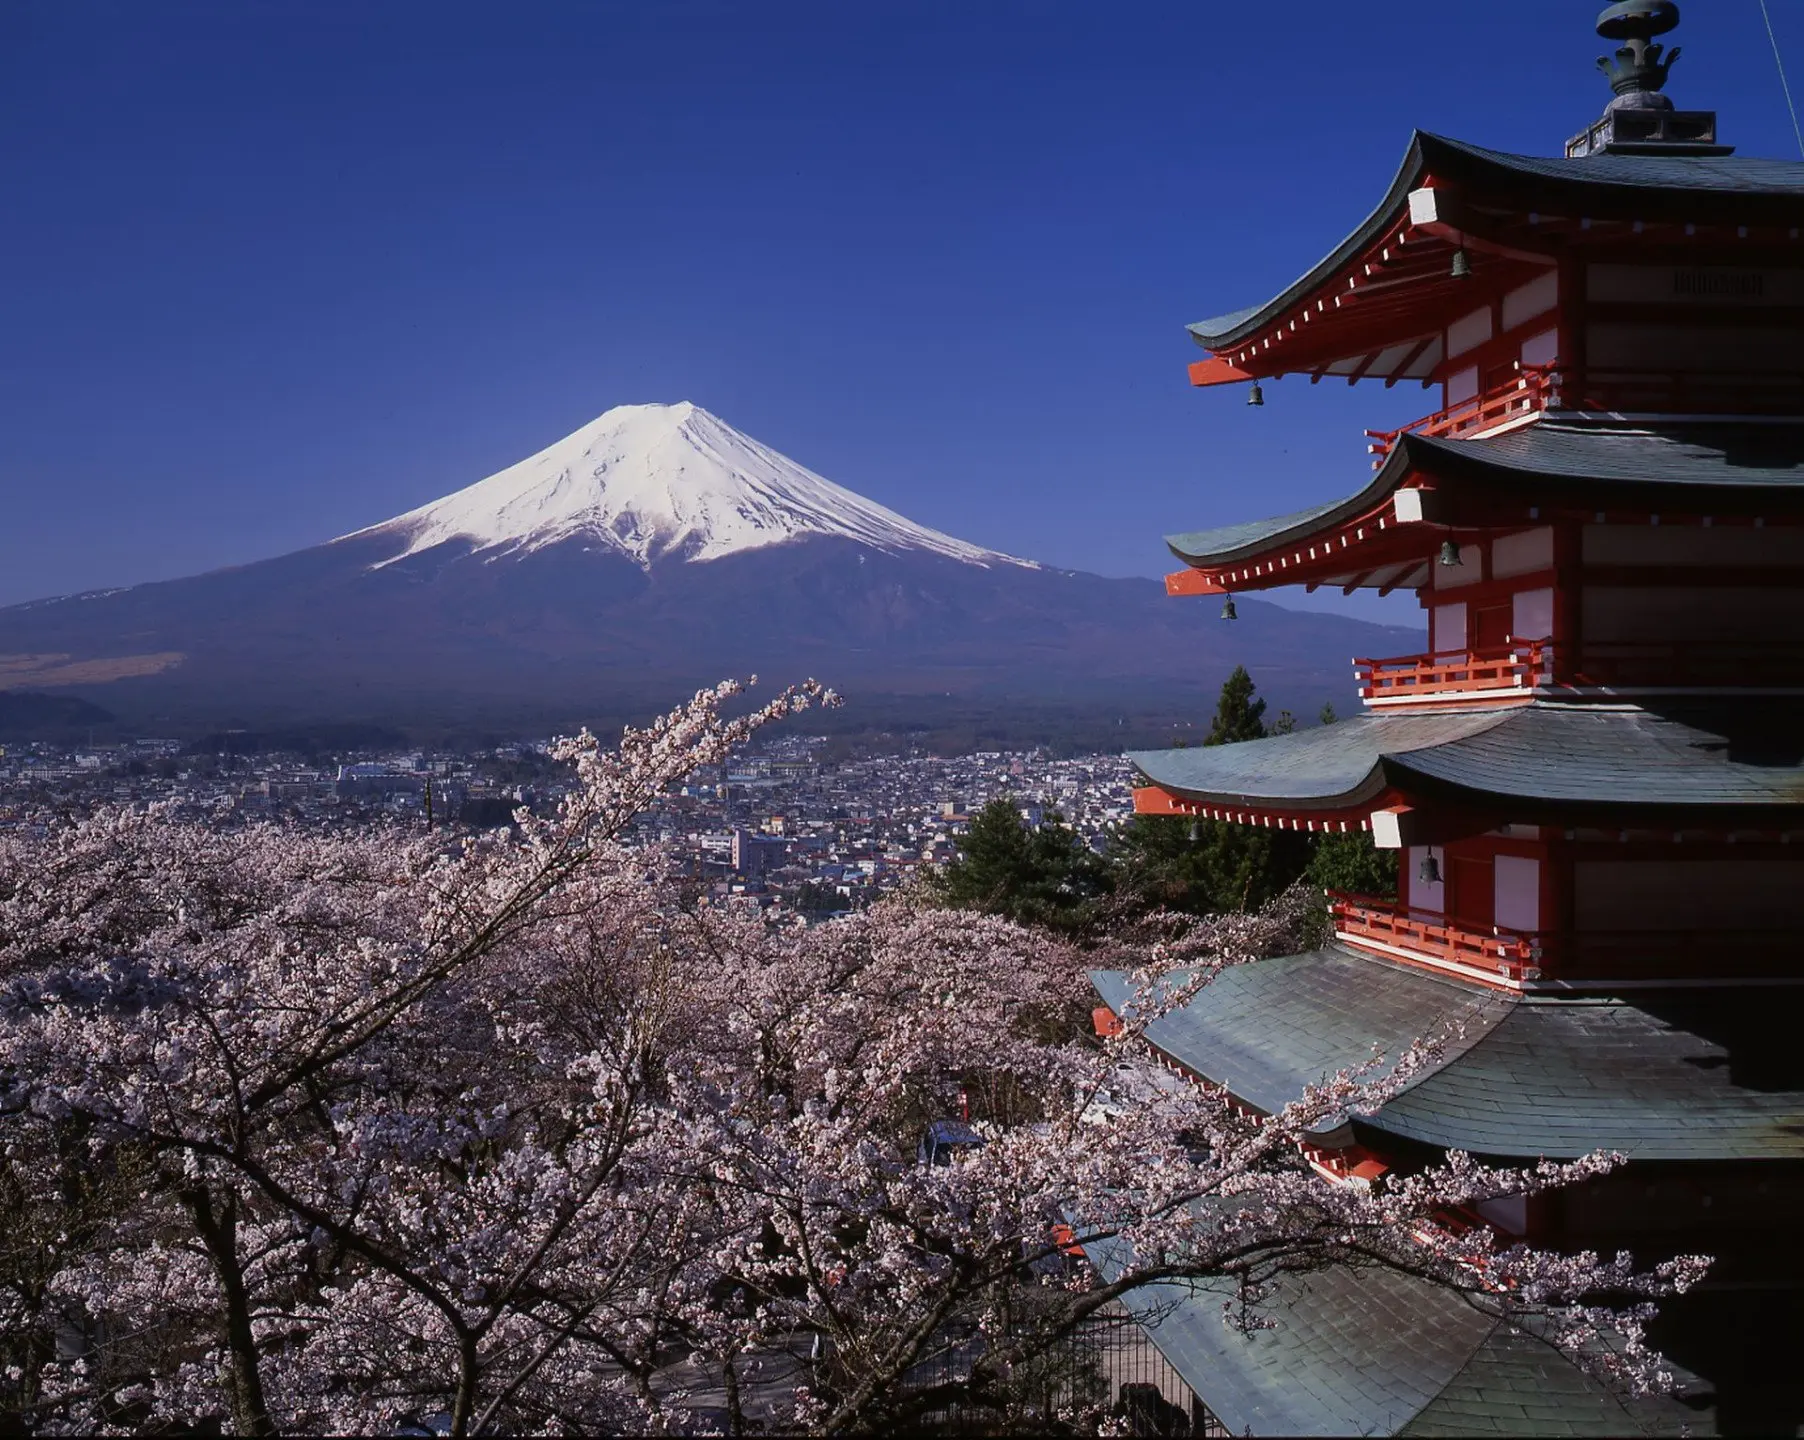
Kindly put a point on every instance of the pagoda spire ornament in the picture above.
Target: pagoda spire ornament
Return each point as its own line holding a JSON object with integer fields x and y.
{"x": 1637, "y": 71}
{"x": 1639, "y": 120}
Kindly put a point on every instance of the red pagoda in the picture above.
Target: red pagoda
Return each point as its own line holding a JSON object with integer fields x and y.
{"x": 1595, "y": 775}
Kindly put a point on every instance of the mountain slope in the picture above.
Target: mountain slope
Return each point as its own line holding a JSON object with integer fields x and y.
{"x": 652, "y": 550}
{"x": 657, "y": 481}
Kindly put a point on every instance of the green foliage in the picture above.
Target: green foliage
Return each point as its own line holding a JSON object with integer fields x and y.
{"x": 1044, "y": 876}
{"x": 1203, "y": 867}
{"x": 1238, "y": 716}
{"x": 1351, "y": 862}
{"x": 1206, "y": 867}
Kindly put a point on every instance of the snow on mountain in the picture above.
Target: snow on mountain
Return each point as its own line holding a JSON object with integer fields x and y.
{"x": 652, "y": 481}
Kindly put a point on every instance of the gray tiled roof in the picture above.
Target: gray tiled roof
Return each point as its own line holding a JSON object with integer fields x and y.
{"x": 1590, "y": 755}
{"x": 1267, "y": 1029}
{"x": 1226, "y": 543}
{"x": 1679, "y": 1075}
{"x": 1514, "y": 1385}
{"x": 1549, "y": 457}
{"x": 1636, "y": 174}
{"x": 1714, "y": 455}
{"x": 1633, "y": 187}
{"x": 1321, "y": 763}
{"x": 1545, "y": 757}
{"x": 1561, "y": 1078}
{"x": 1371, "y": 1351}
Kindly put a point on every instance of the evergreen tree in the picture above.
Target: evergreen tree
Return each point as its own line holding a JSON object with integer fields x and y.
{"x": 1238, "y": 716}
{"x": 1351, "y": 862}
{"x": 1206, "y": 867}
{"x": 1041, "y": 876}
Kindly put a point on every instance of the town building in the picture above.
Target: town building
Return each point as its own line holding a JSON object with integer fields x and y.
{"x": 1595, "y": 775}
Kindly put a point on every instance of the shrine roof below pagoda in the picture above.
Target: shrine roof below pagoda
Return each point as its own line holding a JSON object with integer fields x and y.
{"x": 1362, "y": 1349}
{"x": 1715, "y": 458}
{"x": 1709, "y": 756}
{"x": 1683, "y": 1074}
{"x": 1648, "y": 187}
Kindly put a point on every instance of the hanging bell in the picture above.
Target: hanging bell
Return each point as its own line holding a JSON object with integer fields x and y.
{"x": 1255, "y": 396}
{"x": 1228, "y": 612}
{"x": 1462, "y": 264}
{"x": 1429, "y": 872}
{"x": 1450, "y": 554}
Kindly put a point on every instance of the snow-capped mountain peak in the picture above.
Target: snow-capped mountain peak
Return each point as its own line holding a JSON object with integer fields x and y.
{"x": 656, "y": 481}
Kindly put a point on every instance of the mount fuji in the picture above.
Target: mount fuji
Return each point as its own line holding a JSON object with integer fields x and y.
{"x": 654, "y": 549}
{"x": 655, "y": 482}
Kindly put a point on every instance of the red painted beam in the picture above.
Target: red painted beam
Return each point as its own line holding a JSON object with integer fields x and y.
{"x": 1217, "y": 371}
{"x": 1193, "y": 582}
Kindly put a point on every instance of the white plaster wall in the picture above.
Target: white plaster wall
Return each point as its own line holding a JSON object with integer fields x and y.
{"x": 1469, "y": 331}
{"x": 1523, "y": 553}
{"x": 1517, "y": 892}
{"x": 1531, "y": 614}
{"x": 1418, "y": 894}
{"x": 1469, "y": 571}
{"x": 1535, "y": 298}
{"x": 1541, "y": 349}
{"x": 1449, "y": 628}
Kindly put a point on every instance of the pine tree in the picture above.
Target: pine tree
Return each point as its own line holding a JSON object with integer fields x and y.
{"x": 1043, "y": 876}
{"x": 1238, "y": 716}
{"x": 1206, "y": 867}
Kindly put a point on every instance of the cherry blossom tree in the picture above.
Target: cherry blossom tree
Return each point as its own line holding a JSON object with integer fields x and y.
{"x": 379, "y": 1131}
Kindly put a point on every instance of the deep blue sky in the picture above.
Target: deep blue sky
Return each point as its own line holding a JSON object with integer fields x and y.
{"x": 274, "y": 271}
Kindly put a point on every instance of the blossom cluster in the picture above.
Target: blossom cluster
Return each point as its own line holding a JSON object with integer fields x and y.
{"x": 389, "y": 1132}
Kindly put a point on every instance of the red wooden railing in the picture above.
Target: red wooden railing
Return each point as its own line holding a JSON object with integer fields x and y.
{"x": 1532, "y": 389}
{"x": 1525, "y": 393}
{"x": 1511, "y": 954}
{"x": 1603, "y": 955}
{"x": 1519, "y": 666}
{"x": 1525, "y": 665}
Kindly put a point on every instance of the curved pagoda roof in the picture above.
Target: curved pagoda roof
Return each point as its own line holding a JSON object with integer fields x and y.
{"x": 1708, "y": 762}
{"x": 1367, "y": 1350}
{"x": 1713, "y": 467}
{"x": 1662, "y": 1076}
{"x": 1511, "y": 212}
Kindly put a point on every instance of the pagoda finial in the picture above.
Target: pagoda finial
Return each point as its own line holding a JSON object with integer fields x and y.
{"x": 1639, "y": 120}
{"x": 1637, "y": 71}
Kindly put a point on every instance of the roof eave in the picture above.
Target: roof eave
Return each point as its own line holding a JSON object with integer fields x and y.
{"x": 1389, "y": 478}
{"x": 1368, "y": 788}
{"x": 1239, "y": 325}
